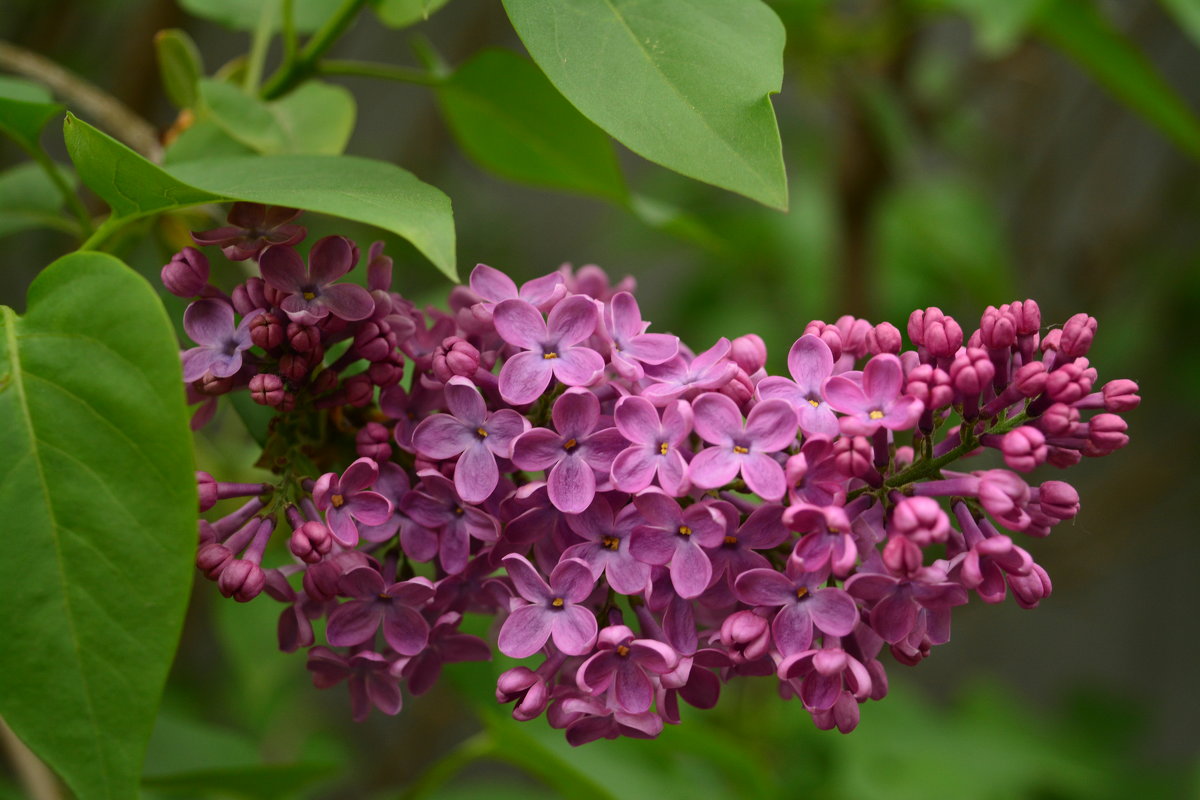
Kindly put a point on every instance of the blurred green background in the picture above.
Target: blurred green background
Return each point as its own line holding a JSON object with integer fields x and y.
{"x": 940, "y": 152}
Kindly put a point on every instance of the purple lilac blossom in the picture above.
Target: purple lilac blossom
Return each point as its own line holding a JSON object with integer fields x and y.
{"x": 549, "y": 348}
{"x": 209, "y": 323}
{"x": 745, "y": 449}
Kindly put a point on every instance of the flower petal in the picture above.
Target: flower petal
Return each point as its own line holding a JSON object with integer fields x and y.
{"x": 572, "y": 320}
{"x": 526, "y": 631}
{"x": 353, "y": 623}
{"x": 810, "y": 361}
{"x": 283, "y": 269}
{"x": 714, "y": 467}
{"x": 330, "y": 258}
{"x": 524, "y": 377}
{"x": 771, "y": 425}
{"x": 520, "y": 324}
{"x": 574, "y": 630}
{"x": 348, "y": 301}
{"x": 716, "y": 418}
{"x": 571, "y": 485}
{"x": 443, "y": 436}
{"x": 763, "y": 475}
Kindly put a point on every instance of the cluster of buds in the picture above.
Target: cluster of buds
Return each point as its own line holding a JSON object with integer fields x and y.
{"x": 645, "y": 521}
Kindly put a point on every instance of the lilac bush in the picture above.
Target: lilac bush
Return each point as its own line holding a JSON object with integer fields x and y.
{"x": 644, "y": 522}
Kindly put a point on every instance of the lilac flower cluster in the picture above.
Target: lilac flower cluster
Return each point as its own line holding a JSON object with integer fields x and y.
{"x": 646, "y": 521}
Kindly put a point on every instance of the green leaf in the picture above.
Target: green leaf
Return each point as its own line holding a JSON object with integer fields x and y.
{"x": 684, "y": 83}
{"x": 1187, "y": 14}
{"x": 244, "y": 15}
{"x": 204, "y": 138}
{"x": 180, "y": 66}
{"x": 359, "y": 189}
{"x": 1082, "y": 32}
{"x": 25, "y": 108}
{"x": 316, "y": 118}
{"x": 29, "y": 199}
{"x": 99, "y": 506}
{"x": 998, "y": 26}
{"x": 510, "y": 119}
{"x": 402, "y": 13}
{"x": 244, "y": 117}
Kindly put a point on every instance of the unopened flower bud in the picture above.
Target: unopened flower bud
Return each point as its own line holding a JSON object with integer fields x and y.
{"x": 250, "y": 296}
{"x": 1024, "y": 448}
{"x": 266, "y": 389}
{"x": 1058, "y": 500}
{"x": 294, "y": 367}
{"x": 746, "y": 635}
{"x": 266, "y": 332}
{"x": 211, "y": 559}
{"x": 1077, "y": 335}
{"x": 311, "y": 541}
{"x": 884, "y": 338}
{"x": 997, "y": 329}
{"x": 739, "y": 389}
{"x": 830, "y": 334}
{"x": 303, "y": 338}
{"x": 971, "y": 372}
{"x": 372, "y": 441}
{"x": 1120, "y": 396}
{"x": 379, "y": 269}
{"x": 186, "y": 274}
{"x": 1106, "y": 433}
{"x": 241, "y": 579}
{"x": 455, "y": 356}
{"x": 749, "y": 352}
{"x": 358, "y": 389}
{"x": 920, "y": 519}
{"x": 902, "y": 555}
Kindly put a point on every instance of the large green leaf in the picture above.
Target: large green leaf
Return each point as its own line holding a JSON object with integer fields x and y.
{"x": 402, "y": 13}
{"x": 510, "y": 119}
{"x": 29, "y": 199}
{"x": 360, "y": 189}
{"x": 684, "y": 83}
{"x": 316, "y": 118}
{"x": 245, "y": 15}
{"x": 1079, "y": 29}
{"x": 25, "y": 108}
{"x": 99, "y": 505}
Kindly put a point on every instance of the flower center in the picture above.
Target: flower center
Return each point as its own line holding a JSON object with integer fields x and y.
{"x": 876, "y": 414}
{"x": 737, "y": 448}
{"x": 570, "y": 444}
{"x": 684, "y": 530}
{"x": 556, "y": 602}
{"x": 337, "y": 501}
{"x": 610, "y": 542}
{"x": 309, "y": 293}
{"x": 622, "y": 650}
{"x": 482, "y": 433}
{"x": 814, "y": 402}
{"x": 730, "y": 541}
{"x": 663, "y": 448}
{"x": 801, "y": 592}
{"x": 549, "y": 355}
{"x": 458, "y": 511}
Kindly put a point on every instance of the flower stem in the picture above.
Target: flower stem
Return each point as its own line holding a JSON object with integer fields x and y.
{"x": 291, "y": 75}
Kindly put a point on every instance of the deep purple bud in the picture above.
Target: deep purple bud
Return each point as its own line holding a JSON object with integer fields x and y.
{"x": 266, "y": 332}
{"x": 213, "y": 386}
{"x": 1058, "y": 500}
{"x": 359, "y": 390}
{"x": 371, "y": 341}
{"x": 321, "y": 580}
{"x": 379, "y": 269}
{"x": 385, "y": 373}
{"x": 242, "y": 580}
{"x": 746, "y": 635}
{"x": 1120, "y": 395}
{"x": 303, "y": 338}
{"x": 266, "y": 389}
{"x": 294, "y": 367}
{"x": 997, "y": 329}
{"x": 1024, "y": 448}
{"x": 527, "y": 688}
{"x": 1077, "y": 335}
{"x": 749, "y": 352}
{"x": 455, "y": 356}
{"x": 310, "y": 542}
{"x": 1063, "y": 457}
{"x": 884, "y": 338}
{"x": 211, "y": 559}
{"x": 206, "y": 487}
{"x": 326, "y": 381}
{"x": 250, "y": 296}
{"x": 1106, "y": 433}
{"x": 373, "y": 441}
{"x": 186, "y": 274}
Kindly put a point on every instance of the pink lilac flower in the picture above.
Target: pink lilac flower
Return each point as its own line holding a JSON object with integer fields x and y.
{"x": 436, "y": 506}
{"x": 762, "y": 530}
{"x": 376, "y": 604}
{"x": 802, "y": 602}
{"x": 896, "y": 601}
{"x": 494, "y": 287}
{"x": 680, "y": 377}
{"x": 209, "y": 323}
{"x": 312, "y": 293}
{"x": 737, "y": 448}
{"x": 552, "y": 610}
{"x": 549, "y": 348}
{"x": 367, "y": 674}
{"x": 630, "y": 346}
{"x": 606, "y": 550}
{"x": 877, "y": 402}
{"x": 446, "y": 646}
{"x": 820, "y": 676}
{"x": 678, "y": 537}
{"x": 810, "y": 361}
{"x": 252, "y": 228}
{"x": 626, "y": 667}
{"x": 827, "y": 540}
{"x": 472, "y": 434}
{"x": 346, "y": 502}
{"x": 655, "y": 445}
{"x": 573, "y": 453}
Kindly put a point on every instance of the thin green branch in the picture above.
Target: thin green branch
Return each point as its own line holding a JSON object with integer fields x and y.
{"x": 65, "y": 189}
{"x": 259, "y": 45}
{"x": 103, "y": 233}
{"x": 291, "y": 75}
{"x": 288, "y": 29}
{"x": 386, "y": 72}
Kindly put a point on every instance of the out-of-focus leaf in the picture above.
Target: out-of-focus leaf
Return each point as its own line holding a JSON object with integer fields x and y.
{"x": 1187, "y": 14}
{"x": 25, "y": 108}
{"x": 316, "y": 118}
{"x": 360, "y": 189}
{"x": 180, "y": 66}
{"x": 510, "y": 119}
{"x": 99, "y": 506}
{"x": 998, "y": 25}
{"x": 243, "y": 116}
{"x": 29, "y": 199}
{"x": 204, "y": 138}
{"x": 684, "y": 83}
{"x": 1082, "y": 32}
{"x": 245, "y": 15}
{"x": 402, "y": 13}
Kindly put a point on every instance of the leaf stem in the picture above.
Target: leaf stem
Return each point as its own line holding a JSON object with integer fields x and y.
{"x": 258, "y": 46}
{"x": 68, "y": 193}
{"x": 102, "y": 233}
{"x": 291, "y": 75}
{"x": 370, "y": 69}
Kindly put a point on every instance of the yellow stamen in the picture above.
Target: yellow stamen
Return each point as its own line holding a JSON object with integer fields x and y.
{"x": 610, "y": 542}
{"x": 814, "y": 403}
{"x": 801, "y": 592}
{"x": 663, "y": 448}
{"x": 482, "y": 433}
{"x": 337, "y": 501}
{"x": 731, "y": 540}
{"x": 557, "y": 602}
{"x": 737, "y": 448}
{"x": 684, "y": 530}
{"x": 570, "y": 445}
{"x": 549, "y": 355}
{"x": 876, "y": 414}
{"x": 309, "y": 295}
{"x": 458, "y": 510}
{"x": 622, "y": 650}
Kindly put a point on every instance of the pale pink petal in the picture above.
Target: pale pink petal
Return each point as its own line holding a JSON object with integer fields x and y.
{"x": 714, "y": 467}
{"x": 652, "y": 348}
{"x": 208, "y": 322}
{"x": 577, "y": 366}
{"x": 637, "y": 419}
{"x": 524, "y": 377}
{"x": 771, "y": 425}
{"x": 537, "y": 449}
{"x": 571, "y": 321}
{"x": 691, "y": 571}
{"x": 525, "y": 631}
{"x": 574, "y": 630}
{"x": 520, "y": 324}
{"x": 883, "y": 378}
{"x": 575, "y": 413}
{"x": 571, "y": 485}
{"x": 763, "y": 475}
{"x": 845, "y": 395}
{"x": 633, "y": 469}
{"x": 476, "y": 474}
{"x": 442, "y": 436}
{"x": 492, "y": 284}
{"x": 464, "y": 401}
{"x": 716, "y": 418}
{"x": 810, "y": 361}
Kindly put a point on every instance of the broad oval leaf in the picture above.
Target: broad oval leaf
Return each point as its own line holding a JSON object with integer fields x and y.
{"x": 684, "y": 83}
{"x": 315, "y": 118}
{"x": 25, "y": 108}
{"x": 360, "y": 189}
{"x": 99, "y": 505}
{"x": 29, "y": 199}
{"x": 510, "y": 119}
{"x": 244, "y": 117}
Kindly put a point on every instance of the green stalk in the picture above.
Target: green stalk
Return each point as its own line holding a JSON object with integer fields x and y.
{"x": 291, "y": 75}
{"x": 259, "y": 45}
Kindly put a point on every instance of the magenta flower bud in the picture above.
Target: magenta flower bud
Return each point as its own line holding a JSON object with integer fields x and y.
{"x": 213, "y": 386}
{"x": 749, "y": 352}
{"x": 206, "y": 487}
{"x": 884, "y": 338}
{"x": 310, "y": 542}
{"x": 971, "y": 372}
{"x": 211, "y": 559}
{"x": 186, "y": 274}
{"x": 379, "y": 269}
{"x": 852, "y": 457}
{"x": 931, "y": 386}
{"x": 902, "y": 556}
{"x": 1070, "y": 381}
{"x": 1063, "y": 457}
{"x": 1029, "y": 590}
{"x": 1052, "y": 339}
{"x": 455, "y": 356}
{"x": 1077, "y": 335}
{"x": 829, "y": 334}
{"x": 1026, "y": 316}
{"x": 325, "y": 381}
{"x": 854, "y": 335}
{"x": 1030, "y": 379}
{"x": 739, "y": 389}
{"x": 1120, "y": 395}
{"x": 242, "y": 580}
{"x": 359, "y": 390}
{"x": 321, "y": 579}
{"x": 1024, "y": 448}
{"x": 746, "y": 635}
{"x": 940, "y": 335}
{"x": 266, "y": 332}
{"x": 1106, "y": 433}
{"x": 1004, "y": 495}
{"x": 997, "y": 329}
{"x": 527, "y": 689}
{"x": 1058, "y": 500}
{"x": 250, "y": 296}
{"x": 294, "y": 367}
{"x": 303, "y": 338}
{"x": 266, "y": 389}
{"x": 1058, "y": 420}
{"x": 371, "y": 341}
{"x": 385, "y": 373}
{"x": 373, "y": 441}
{"x": 920, "y": 519}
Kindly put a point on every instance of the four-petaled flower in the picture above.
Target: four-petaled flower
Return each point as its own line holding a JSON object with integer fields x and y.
{"x": 552, "y": 610}
{"x": 209, "y": 323}
{"x": 630, "y": 347}
{"x": 312, "y": 293}
{"x": 876, "y": 402}
{"x": 810, "y": 361}
{"x": 770, "y": 427}
{"x": 376, "y": 603}
{"x": 655, "y": 446}
{"x": 346, "y": 502}
{"x": 623, "y": 666}
{"x": 549, "y": 348}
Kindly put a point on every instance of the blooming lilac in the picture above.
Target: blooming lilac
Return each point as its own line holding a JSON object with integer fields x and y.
{"x": 678, "y": 537}
{"x": 770, "y": 427}
{"x": 877, "y": 402}
{"x": 312, "y": 293}
{"x": 802, "y": 602}
{"x": 821, "y": 676}
{"x": 552, "y": 610}
{"x": 606, "y": 550}
{"x": 346, "y": 502}
{"x": 655, "y": 445}
{"x": 367, "y": 674}
{"x": 253, "y": 227}
{"x": 629, "y": 345}
{"x": 494, "y": 287}
{"x": 375, "y": 604}
{"x": 810, "y": 361}
{"x": 549, "y": 348}
{"x": 895, "y": 601}
{"x": 209, "y": 323}
{"x": 437, "y": 506}
{"x": 626, "y": 666}
{"x": 472, "y": 434}
{"x": 680, "y": 377}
